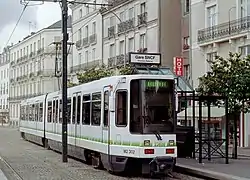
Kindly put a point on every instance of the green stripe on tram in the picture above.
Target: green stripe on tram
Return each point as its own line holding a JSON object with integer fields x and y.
{"x": 124, "y": 143}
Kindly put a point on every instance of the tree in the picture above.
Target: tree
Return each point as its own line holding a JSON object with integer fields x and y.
{"x": 99, "y": 72}
{"x": 229, "y": 77}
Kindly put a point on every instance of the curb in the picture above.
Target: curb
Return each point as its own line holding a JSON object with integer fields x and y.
{"x": 206, "y": 173}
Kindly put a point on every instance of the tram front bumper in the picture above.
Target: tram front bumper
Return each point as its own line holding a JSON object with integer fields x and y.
{"x": 162, "y": 165}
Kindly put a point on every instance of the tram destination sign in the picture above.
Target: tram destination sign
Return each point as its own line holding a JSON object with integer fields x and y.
{"x": 145, "y": 58}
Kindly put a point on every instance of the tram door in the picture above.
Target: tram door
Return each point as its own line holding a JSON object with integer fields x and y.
{"x": 76, "y": 117}
{"x": 55, "y": 115}
{"x": 106, "y": 119}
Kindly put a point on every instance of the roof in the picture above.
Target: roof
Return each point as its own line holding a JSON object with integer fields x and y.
{"x": 216, "y": 112}
{"x": 58, "y": 24}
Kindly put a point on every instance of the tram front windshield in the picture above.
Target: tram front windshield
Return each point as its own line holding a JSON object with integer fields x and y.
{"x": 152, "y": 106}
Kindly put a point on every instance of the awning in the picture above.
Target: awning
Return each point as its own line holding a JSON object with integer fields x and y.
{"x": 216, "y": 112}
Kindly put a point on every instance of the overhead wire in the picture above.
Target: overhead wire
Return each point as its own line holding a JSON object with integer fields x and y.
{"x": 20, "y": 17}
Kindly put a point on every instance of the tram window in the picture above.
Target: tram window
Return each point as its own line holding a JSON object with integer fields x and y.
{"x": 69, "y": 111}
{"x": 22, "y": 113}
{"x": 78, "y": 109}
{"x": 27, "y": 113}
{"x": 96, "y": 109}
{"x": 106, "y": 108}
{"x": 41, "y": 112}
{"x": 31, "y": 113}
{"x": 49, "y": 112}
{"x": 60, "y": 111}
{"x": 86, "y": 109}
{"x": 56, "y": 111}
{"x": 74, "y": 110}
{"x": 36, "y": 110}
{"x": 121, "y": 108}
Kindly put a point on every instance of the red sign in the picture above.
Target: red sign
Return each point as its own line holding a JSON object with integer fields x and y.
{"x": 178, "y": 66}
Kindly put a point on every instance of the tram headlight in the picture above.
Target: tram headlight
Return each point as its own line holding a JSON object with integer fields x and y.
{"x": 146, "y": 142}
{"x": 171, "y": 142}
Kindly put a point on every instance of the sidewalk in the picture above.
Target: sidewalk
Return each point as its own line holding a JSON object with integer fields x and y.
{"x": 217, "y": 169}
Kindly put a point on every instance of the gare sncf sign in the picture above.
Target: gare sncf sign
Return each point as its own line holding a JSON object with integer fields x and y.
{"x": 178, "y": 66}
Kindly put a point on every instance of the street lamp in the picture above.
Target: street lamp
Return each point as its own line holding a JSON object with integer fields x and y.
{"x": 229, "y": 21}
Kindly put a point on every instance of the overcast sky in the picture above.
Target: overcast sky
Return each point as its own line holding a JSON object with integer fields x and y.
{"x": 34, "y": 19}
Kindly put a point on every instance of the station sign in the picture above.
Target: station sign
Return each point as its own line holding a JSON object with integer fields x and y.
{"x": 145, "y": 58}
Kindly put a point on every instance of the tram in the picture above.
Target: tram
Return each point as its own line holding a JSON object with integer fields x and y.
{"x": 120, "y": 123}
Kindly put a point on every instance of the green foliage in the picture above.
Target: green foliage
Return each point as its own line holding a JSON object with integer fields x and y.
{"x": 96, "y": 73}
{"x": 229, "y": 77}
{"x": 70, "y": 84}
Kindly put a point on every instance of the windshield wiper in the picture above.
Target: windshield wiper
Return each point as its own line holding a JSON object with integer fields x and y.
{"x": 158, "y": 136}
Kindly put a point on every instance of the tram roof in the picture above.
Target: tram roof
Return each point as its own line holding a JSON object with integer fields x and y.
{"x": 182, "y": 84}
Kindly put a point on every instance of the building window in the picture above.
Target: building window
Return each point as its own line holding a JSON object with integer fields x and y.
{"x": 211, "y": 16}
{"x": 112, "y": 50}
{"x": 186, "y": 43}
{"x": 79, "y": 34}
{"x": 121, "y": 51}
{"x": 142, "y": 41}
{"x": 143, "y": 8}
{"x": 93, "y": 53}
{"x": 131, "y": 45}
{"x": 186, "y": 6}
{"x": 244, "y": 8}
{"x": 210, "y": 58}
{"x": 244, "y": 50}
{"x": 86, "y": 31}
{"x": 86, "y": 56}
{"x": 94, "y": 28}
{"x": 80, "y": 13}
{"x": 131, "y": 13}
{"x": 122, "y": 16}
{"x": 87, "y": 8}
{"x": 79, "y": 58}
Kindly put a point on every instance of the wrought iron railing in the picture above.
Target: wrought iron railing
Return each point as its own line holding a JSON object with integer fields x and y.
{"x": 224, "y": 30}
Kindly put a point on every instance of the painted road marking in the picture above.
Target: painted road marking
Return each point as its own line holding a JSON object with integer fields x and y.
{"x": 2, "y": 176}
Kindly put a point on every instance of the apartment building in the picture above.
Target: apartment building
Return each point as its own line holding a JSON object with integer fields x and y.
{"x": 145, "y": 26}
{"x": 35, "y": 66}
{"x": 87, "y": 36}
{"x": 217, "y": 28}
{"x": 4, "y": 84}
{"x": 185, "y": 34}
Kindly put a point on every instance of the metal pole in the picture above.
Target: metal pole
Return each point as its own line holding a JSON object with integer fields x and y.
{"x": 227, "y": 130}
{"x": 208, "y": 129}
{"x": 64, "y": 81}
{"x": 200, "y": 130}
{"x": 194, "y": 124}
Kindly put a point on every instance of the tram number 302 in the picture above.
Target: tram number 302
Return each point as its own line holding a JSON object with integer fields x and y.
{"x": 129, "y": 151}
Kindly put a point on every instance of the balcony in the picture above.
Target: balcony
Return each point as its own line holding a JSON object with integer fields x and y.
{"x": 117, "y": 60}
{"x": 142, "y": 19}
{"x": 85, "y": 41}
{"x": 111, "y": 32}
{"x": 126, "y": 25}
{"x": 92, "y": 39}
{"x": 84, "y": 66}
{"x": 113, "y": 3}
{"x": 225, "y": 30}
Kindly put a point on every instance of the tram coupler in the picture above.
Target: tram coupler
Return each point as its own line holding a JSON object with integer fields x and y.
{"x": 161, "y": 166}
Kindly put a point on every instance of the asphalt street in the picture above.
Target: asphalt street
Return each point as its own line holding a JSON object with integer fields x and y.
{"x": 22, "y": 160}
